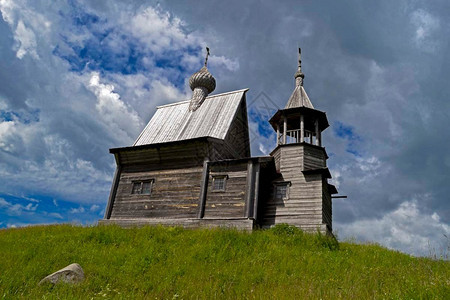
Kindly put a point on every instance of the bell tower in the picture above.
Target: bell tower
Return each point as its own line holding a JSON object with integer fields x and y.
{"x": 301, "y": 195}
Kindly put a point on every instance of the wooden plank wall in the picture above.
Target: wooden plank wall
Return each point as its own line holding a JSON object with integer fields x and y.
{"x": 309, "y": 157}
{"x": 168, "y": 156}
{"x": 237, "y": 140}
{"x": 231, "y": 202}
{"x": 304, "y": 206}
{"x": 176, "y": 171}
{"x": 277, "y": 157}
{"x": 314, "y": 158}
{"x": 175, "y": 193}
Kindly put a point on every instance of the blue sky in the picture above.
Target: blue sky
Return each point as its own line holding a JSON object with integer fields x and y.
{"x": 79, "y": 77}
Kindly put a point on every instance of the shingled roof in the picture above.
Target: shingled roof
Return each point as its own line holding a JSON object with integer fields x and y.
{"x": 299, "y": 98}
{"x": 174, "y": 122}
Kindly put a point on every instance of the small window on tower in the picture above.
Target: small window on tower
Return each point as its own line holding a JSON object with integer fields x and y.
{"x": 282, "y": 190}
{"x": 219, "y": 183}
{"x": 142, "y": 187}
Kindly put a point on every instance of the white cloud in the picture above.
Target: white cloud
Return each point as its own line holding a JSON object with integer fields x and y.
{"x": 425, "y": 27}
{"x": 222, "y": 61}
{"x": 7, "y": 130}
{"x": 156, "y": 29}
{"x": 24, "y": 20}
{"x": 406, "y": 228}
{"x": 26, "y": 41}
{"x": 56, "y": 215}
{"x": 7, "y": 8}
{"x": 16, "y": 209}
{"x": 112, "y": 110}
{"x": 94, "y": 207}
{"x": 78, "y": 210}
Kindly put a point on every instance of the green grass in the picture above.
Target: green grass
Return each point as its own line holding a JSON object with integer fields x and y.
{"x": 171, "y": 263}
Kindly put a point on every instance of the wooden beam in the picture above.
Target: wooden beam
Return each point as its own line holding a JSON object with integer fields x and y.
{"x": 320, "y": 139}
{"x": 284, "y": 129}
{"x": 249, "y": 190}
{"x": 302, "y": 129}
{"x": 316, "y": 123}
{"x": 204, "y": 188}
{"x": 115, "y": 184}
{"x": 256, "y": 191}
{"x": 278, "y": 134}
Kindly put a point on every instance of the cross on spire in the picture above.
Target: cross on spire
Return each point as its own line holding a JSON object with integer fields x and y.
{"x": 299, "y": 75}
{"x": 207, "y": 54}
{"x": 300, "y": 59}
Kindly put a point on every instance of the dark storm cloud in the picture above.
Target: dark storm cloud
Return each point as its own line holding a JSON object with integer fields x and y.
{"x": 378, "y": 67}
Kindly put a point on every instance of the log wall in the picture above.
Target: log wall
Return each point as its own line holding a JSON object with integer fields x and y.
{"x": 305, "y": 203}
{"x": 175, "y": 193}
{"x": 237, "y": 140}
{"x": 231, "y": 202}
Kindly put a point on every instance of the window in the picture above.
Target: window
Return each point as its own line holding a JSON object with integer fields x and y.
{"x": 282, "y": 190}
{"x": 142, "y": 187}
{"x": 219, "y": 183}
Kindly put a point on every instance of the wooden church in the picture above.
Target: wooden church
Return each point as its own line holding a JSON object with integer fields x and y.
{"x": 191, "y": 166}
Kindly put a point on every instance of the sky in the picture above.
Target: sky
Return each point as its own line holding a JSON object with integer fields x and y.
{"x": 79, "y": 77}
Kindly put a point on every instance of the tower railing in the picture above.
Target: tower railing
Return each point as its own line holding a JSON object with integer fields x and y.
{"x": 294, "y": 136}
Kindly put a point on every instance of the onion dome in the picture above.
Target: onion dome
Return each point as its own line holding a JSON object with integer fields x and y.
{"x": 202, "y": 83}
{"x": 204, "y": 79}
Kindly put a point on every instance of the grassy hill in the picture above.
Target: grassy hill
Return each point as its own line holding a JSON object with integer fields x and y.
{"x": 171, "y": 263}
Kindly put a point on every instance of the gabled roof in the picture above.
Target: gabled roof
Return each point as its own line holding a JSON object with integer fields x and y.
{"x": 174, "y": 122}
{"x": 299, "y": 98}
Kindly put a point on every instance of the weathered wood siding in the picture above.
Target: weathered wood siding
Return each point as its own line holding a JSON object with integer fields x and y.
{"x": 277, "y": 157}
{"x": 176, "y": 155}
{"x": 242, "y": 223}
{"x": 231, "y": 202}
{"x": 176, "y": 170}
{"x": 237, "y": 139}
{"x": 304, "y": 207}
{"x": 306, "y": 156}
{"x": 175, "y": 193}
{"x": 313, "y": 157}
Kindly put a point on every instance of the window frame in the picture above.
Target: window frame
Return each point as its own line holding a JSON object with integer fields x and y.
{"x": 141, "y": 186}
{"x": 214, "y": 178}
{"x": 276, "y": 185}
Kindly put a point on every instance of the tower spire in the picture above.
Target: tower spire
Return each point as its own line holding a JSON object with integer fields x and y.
{"x": 299, "y": 76}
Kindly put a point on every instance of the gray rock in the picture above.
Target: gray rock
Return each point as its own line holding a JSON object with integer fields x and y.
{"x": 71, "y": 274}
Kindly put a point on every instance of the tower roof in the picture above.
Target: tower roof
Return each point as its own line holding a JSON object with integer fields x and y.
{"x": 299, "y": 98}
{"x": 299, "y": 105}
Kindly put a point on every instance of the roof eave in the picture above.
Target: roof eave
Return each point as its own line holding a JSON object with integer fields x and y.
{"x": 159, "y": 145}
{"x": 323, "y": 120}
